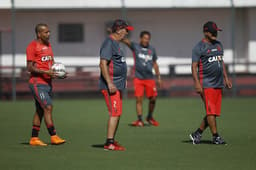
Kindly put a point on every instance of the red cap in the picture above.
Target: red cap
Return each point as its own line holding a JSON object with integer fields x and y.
{"x": 120, "y": 24}
{"x": 211, "y": 27}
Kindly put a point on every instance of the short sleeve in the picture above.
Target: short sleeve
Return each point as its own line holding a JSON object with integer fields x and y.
{"x": 196, "y": 54}
{"x": 133, "y": 44}
{"x": 30, "y": 52}
{"x": 154, "y": 54}
{"x": 106, "y": 50}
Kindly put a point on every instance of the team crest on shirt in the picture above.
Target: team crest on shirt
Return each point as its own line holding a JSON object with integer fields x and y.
{"x": 219, "y": 48}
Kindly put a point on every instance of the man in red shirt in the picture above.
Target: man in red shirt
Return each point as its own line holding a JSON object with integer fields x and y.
{"x": 39, "y": 63}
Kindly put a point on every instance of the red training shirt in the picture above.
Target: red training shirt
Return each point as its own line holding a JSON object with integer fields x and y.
{"x": 42, "y": 56}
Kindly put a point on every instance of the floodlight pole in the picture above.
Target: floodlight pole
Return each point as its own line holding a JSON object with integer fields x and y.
{"x": 233, "y": 38}
{"x": 124, "y": 17}
{"x": 124, "y": 14}
{"x": 13, "y": 18}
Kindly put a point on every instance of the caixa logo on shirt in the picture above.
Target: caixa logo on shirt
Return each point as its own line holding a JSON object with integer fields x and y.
{"x": 145, "y": 57}
{"x": 46, "y": 58}
{"x": 215, "y": 58}
{"x": 123, "y": 59}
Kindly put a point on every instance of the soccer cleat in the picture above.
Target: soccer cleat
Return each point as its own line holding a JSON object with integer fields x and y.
{"x": 35, "y": 141}
{"x": 195, "y": 137}
{"x": 218, "y": 141}
{"x": 56, "y": 140}
{"x": 138, "y": 123}
{"x": 152, "y": 121}
{"x": 114, "y": 147}
{"x": 116, "y": 143}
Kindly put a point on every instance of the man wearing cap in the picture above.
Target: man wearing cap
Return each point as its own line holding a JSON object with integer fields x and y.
{"x": 210, "y": 77}
{"x": 113, "y": 79}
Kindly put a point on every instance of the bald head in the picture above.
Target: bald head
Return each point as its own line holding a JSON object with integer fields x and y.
{"x": 39, "y": 27}
{"x": 42, "y": 33}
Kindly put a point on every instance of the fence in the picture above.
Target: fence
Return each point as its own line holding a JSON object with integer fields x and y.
{"x": 83, "y": 83}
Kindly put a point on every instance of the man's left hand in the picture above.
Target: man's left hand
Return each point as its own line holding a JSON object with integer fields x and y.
{"x": 228, "y": 83}
{"x": 159, "y": 82}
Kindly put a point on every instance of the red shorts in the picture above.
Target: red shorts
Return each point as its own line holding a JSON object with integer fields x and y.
{"x": 148, "y": 85}
{"x": 212, "y": 100}
{"x": 113, "y": 102}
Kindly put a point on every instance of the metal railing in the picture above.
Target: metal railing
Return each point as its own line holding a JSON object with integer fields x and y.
{"x": 86, "y": 83}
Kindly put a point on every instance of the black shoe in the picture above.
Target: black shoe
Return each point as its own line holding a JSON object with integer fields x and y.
{"x": 195, "y": 137}
{"x": 218, "y": 141}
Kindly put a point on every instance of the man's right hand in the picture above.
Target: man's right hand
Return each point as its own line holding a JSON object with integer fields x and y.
{"x": 112, "y": 88}
{"x": 127, "y": 42}
{"x": 198, "y": 88}
{"x": 51, "y": 73}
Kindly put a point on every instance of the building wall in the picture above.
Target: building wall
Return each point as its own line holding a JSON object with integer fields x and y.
{"x": 92, "y": 4}
{"x": 174, "y": 31}
{"x": 252, "y": 34}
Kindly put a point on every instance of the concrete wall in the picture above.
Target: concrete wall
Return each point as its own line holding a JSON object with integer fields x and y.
{"x": 174, "y": 31}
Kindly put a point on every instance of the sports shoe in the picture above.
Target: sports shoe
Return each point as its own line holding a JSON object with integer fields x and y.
{"x": 152, "y": 121}
{"x": 138, "y": 123}
{"x": 56, "y": 140}
{"x": 117, "y": 143}
{"x": 35, "y": 141}
{"x": 218, "y": 141}
{"x": 114, "y": 147}
{"x": 195, "y": 137}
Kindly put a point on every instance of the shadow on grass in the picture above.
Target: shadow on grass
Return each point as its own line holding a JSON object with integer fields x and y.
{"x": 145, "y": 125}
{"x": 48, "y": 144}
{"x": 205, "y": 142}
{"x": 99, "y": 146}
{"x": 24, "y": 143}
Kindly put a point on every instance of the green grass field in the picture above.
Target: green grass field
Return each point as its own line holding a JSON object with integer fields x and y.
{"x": 83, "y": 124}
